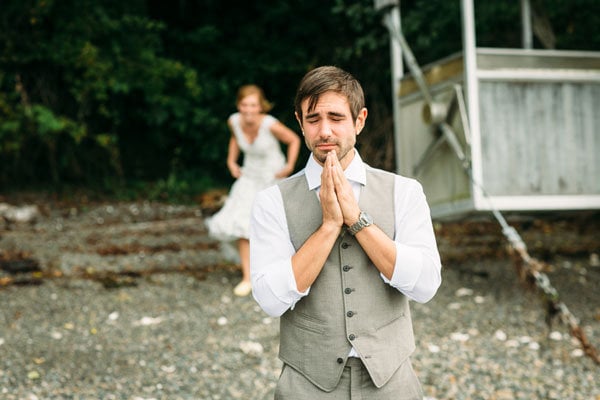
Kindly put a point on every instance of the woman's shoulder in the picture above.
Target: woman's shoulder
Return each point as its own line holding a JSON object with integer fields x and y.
{"x": 268, "y": 120}
{"x": 234, "y": 117}
{"x": 234, "y": 121}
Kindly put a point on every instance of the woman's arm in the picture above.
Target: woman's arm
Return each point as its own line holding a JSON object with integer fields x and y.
{"x": 292, "y": 141}
{"x": 233, "y": 153}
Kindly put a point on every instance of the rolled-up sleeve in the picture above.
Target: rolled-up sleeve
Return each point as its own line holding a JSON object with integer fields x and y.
{"x": 417, "y": 271}
{"x": 273, "y": 283}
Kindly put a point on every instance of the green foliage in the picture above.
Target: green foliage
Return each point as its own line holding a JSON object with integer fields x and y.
{"x": 91, "y": 82}
{"x": 135, "y": 95}
{"x": 432, "y": 28}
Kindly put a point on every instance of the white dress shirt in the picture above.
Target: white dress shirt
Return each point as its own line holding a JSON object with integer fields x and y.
{"x": 417, "y": 271}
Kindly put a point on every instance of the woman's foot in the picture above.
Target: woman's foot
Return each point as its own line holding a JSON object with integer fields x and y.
{"x": 243, "y": 289}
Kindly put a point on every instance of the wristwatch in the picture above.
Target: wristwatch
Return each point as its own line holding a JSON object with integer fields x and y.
{"x": 364, "y": 220}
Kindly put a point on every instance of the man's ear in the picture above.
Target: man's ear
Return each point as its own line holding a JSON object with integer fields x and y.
{"x": 361, "y": 120}
{"x": 299, "y": 122}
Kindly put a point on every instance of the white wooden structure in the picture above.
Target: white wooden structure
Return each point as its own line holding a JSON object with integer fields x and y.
{"x": 505, "y": 129}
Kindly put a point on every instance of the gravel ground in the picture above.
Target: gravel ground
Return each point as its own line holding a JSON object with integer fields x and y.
{"x": 133, "y": 301}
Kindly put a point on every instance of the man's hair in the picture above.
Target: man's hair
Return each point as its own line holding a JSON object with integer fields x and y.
{"x": 325, "y": 79}
{"x": 247, "y": 90}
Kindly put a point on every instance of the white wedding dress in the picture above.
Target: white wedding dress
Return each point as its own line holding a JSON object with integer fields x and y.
{"x": 263, "y": 158}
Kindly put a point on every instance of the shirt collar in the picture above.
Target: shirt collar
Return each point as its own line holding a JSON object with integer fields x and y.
{"x": 354, "y": 172}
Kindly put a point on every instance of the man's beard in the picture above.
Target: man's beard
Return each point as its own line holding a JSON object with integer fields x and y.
{"x": 322, "y": 157}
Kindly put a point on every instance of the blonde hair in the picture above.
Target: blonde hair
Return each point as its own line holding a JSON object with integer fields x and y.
{"x": 247, "y": 90}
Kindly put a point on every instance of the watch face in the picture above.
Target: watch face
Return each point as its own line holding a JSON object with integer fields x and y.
{"x": 366, "y": 218}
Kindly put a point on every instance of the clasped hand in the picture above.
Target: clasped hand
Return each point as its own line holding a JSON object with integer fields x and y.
{"x": 337, "y": 198}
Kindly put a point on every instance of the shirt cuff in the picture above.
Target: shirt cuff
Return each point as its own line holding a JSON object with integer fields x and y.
{"x": 409, "y": 262}
{"x": 283, "y": 285}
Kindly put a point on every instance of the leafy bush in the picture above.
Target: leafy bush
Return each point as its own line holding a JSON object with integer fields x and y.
{"x": 134, "y": 95}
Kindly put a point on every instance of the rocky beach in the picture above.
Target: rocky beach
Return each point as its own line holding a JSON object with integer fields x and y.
{"x": 113, "y": 300}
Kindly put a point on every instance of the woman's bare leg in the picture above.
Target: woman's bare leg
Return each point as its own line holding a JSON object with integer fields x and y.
{"x": 244, "y": 287}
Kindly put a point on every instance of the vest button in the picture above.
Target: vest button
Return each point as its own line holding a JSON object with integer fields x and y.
{"x": 347, "y": 290}
{"x": 345, "y": 245}
{"x": 352, "y": 336}
{"x": 347, "y": 268}
{"x": 350, "y": 314}
{"x": 340, "y": 360}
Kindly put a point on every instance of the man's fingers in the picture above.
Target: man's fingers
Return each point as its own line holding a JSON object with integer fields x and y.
{"x": 342, "y": 189}
{"x": 329, "y": 201}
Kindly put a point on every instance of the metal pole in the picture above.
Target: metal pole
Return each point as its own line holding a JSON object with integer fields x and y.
{"x": 472, "y": 89}
{"x": 411, "y": 61}
{"x": 527, "y": 35}
{"x": 397, "y": 69}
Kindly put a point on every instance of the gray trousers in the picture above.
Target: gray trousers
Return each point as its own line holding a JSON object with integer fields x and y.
{"x": 355, "y": 384}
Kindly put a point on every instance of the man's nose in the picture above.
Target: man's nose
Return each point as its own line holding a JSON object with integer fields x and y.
{"x": 325, "y": 130}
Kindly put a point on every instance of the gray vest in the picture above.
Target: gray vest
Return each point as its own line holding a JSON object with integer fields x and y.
{"x": 348, "y": 304}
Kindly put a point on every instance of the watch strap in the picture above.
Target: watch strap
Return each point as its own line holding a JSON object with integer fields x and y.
{"x": 363, "y": 221}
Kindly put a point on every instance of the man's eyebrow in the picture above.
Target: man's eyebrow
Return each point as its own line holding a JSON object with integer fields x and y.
{"x": 330, "y": 113}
